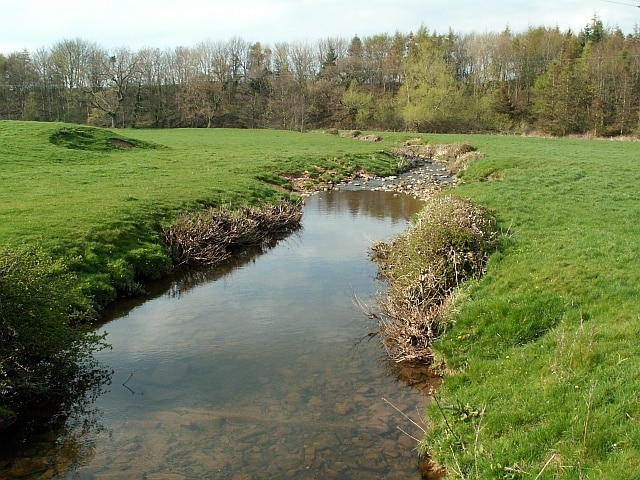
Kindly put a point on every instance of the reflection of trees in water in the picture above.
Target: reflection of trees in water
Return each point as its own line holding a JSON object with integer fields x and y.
{"x": 55, "y": 436}
{"x": 373, "y": 204}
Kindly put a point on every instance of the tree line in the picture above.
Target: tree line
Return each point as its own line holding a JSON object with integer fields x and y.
{"x": 543, "y": 80}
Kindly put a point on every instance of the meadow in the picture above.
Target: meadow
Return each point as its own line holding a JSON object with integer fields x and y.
{"x": 543, "y": 361}
{"x": 98, "y": 202}
{"x": 543, "y": 367}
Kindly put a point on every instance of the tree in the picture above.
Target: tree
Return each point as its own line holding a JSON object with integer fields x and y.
{"x": 612, "y": 79}
{"x": 109, "y": 92}
{"x": 561, "y": 93}
{"x": 259, "y": 74}
{"x": 431, "y": 93}
{"x": 558, "y": 82}
{"x": 359, "y": 106}
{"x": 75, "y": 67}
{"x": 199, "y": 102}
{"x": 18, "y": 80}
{"x": 45, "y": 99}
{"x": 157, "y": 99}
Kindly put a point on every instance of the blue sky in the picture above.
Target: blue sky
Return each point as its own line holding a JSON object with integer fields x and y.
{"x": 32, "y": 24}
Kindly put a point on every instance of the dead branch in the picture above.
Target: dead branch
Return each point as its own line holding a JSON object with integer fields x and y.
{"x": 208, "y": 237}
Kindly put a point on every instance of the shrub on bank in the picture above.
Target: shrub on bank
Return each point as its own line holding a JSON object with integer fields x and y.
{"x": 448, "y": 245}
{"x": 44, "y": 327}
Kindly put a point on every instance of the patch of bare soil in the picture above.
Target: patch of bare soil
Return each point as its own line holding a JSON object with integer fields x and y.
{"x": 117, "y": 142}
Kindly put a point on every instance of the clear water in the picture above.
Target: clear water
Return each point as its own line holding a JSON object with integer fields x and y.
{"x": 262, "y": 370}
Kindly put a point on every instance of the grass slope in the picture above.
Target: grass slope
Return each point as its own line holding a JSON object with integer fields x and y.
{"x": 544, "y": 356}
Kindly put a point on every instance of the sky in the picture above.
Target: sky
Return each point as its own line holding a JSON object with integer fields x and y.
{"x": 35, "y": 24}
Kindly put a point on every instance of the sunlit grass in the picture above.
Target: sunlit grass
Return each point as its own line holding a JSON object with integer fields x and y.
{"x": 546, "y": 343}
{"x": 545, "y": 367}
{"x": 99, "y": 203}
{"x": 52, "y": 193}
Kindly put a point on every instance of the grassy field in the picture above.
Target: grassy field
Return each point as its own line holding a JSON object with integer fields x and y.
{"x": 72, "y": 191}
{"x": 544, "y": 360}
{"x": 54, "y": 190}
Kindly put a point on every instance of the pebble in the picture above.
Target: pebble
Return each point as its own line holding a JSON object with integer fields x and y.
{"x": 421, "y": 182}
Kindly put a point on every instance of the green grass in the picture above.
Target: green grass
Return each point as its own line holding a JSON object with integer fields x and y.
{"x": 546, "y": 343}
{"x": 53, "y": 191}
{"x": 101, "y": 206}
{"x": 545, "y": 366}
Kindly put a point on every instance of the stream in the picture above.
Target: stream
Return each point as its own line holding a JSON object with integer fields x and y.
{"x": 259, "y": 369}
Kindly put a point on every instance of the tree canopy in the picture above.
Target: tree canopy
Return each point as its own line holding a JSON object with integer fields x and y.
{"x": 540, "y": 80}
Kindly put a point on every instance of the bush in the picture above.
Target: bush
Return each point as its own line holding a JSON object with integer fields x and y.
{"x": 150, "y": 262}
{"x": 44, "y": 327}
{"x": 448, "y": 245}
{"x": 208, "y": 237}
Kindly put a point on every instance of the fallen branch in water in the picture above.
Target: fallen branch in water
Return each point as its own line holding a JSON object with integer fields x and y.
{"x": 208, "y": 237}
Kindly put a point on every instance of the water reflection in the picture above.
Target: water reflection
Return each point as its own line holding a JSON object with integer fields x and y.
{"x": 254, "y": 370}
{"x": 51, "y": 437}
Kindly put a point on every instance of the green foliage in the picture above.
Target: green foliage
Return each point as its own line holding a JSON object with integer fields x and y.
{"x": 359, "y": 104}
{"x": 150, "y": 261}
{"x": 44, "y": 321}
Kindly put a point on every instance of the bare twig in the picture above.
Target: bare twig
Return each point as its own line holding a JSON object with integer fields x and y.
{"x": 124, "y": 384}
{"x": 589, "y": 402}
{"x": 448, "y": 246}
{"x": 545, "y": 467}
{"x": 446, "y": 421}
{"x": 404, "y": 415}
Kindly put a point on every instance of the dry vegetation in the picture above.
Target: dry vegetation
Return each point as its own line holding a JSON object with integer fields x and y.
{"x": 455, "y": 156}
{"x": 448, "y": 245}
{"x": 208, "y": 237}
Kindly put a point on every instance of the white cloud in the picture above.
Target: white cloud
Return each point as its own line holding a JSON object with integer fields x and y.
{"x": 32, "y": 24}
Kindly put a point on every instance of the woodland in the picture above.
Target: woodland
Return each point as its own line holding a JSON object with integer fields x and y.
{"x": 542, "y": 80}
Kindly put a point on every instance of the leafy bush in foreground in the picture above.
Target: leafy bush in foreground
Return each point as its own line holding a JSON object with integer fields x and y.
{"x": 44, "y": 327}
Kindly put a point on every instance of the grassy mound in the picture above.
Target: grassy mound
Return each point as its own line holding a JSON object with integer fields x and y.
{"x": 94, "y": 139}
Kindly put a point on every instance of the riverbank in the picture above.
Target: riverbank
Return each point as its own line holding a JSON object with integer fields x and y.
{"x": 425, "y": 170}
{"x": 541, "y": 361}
{"x": 540, "y": 369}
